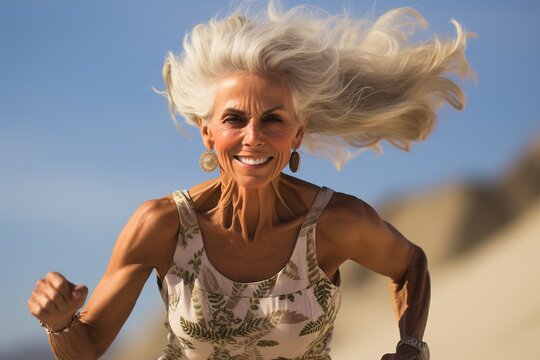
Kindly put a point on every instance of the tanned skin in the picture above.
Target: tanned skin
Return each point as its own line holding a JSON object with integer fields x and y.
{"x": 250, "y": 214}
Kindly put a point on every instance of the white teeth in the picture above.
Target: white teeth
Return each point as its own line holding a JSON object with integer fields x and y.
{"x": 252, "y": 161}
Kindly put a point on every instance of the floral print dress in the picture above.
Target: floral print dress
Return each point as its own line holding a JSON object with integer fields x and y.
{"x": 288, "y": 316}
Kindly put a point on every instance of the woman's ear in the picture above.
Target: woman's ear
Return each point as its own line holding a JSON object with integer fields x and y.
{"x": 300, "y": 133}
{"x": 206, "y": 133}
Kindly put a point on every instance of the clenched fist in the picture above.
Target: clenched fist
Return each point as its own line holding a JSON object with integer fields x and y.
{"x": 404, "y": 353}
{"x": 55, "y": 300}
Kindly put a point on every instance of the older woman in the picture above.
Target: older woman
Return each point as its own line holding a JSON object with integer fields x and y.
{"x": 248, "y": 262}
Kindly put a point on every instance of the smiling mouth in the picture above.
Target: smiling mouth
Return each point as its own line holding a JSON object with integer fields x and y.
{"x": 253, "y": 161}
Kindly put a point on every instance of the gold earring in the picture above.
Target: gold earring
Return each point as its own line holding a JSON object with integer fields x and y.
{"x": 294, "y": 161}
{"x": 208, "y": 161}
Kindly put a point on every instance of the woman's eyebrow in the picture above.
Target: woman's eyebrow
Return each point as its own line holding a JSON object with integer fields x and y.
{"x": 265, "y": 112}
{"x": 278, "y": 107}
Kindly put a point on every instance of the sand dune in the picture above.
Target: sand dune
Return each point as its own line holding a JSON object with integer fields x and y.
{"x": 417, "y": 215}
{"x": 485, "y": 305}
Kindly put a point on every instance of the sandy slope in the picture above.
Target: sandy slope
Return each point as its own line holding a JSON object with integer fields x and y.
{"x": 485, "y": 305}
{"x": 431, "y": 218}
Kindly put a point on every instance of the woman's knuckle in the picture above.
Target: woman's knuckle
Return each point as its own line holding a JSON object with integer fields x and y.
{"x": 39, "y": 311}
{"x": 50, "y": 275}
{"x": 60, "y": 283}
{"x": 49, "y": 306}
{"x": 56, "y": 296}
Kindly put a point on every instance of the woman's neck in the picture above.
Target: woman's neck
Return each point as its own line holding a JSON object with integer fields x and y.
{"x": 248, "y": 213}
{"x": 252, "y": 212}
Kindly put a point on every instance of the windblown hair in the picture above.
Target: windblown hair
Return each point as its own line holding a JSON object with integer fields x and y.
{"x": 357, "y": 81}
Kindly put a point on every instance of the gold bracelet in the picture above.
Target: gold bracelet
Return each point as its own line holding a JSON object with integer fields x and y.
{"x": 50, "y": 331}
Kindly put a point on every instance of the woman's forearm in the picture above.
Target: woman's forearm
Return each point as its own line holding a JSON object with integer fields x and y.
{"x": 80, "y": 342}
{"x": 411, "y": 296}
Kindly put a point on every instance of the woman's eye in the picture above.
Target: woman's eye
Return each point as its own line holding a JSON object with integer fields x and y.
{"x": 273, "y": 118}
{"x": 233, "y": 119}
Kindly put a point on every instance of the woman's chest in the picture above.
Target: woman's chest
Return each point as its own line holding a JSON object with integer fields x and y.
{"x": 264, "y": 257}
{"x": 248, "y": 261}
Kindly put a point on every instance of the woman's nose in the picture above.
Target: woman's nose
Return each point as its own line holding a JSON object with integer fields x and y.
{"x": 253, "y": 136}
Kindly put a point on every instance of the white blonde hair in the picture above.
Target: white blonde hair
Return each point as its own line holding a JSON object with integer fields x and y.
{"x": 357, "y": 81}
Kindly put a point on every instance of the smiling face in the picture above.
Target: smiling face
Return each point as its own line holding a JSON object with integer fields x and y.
{"x": 252, "y": 128}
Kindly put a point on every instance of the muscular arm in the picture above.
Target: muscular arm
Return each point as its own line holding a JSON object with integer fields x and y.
{"x": 377, "y": 245}
{"x": 411, "y": 294}
{"x": 146, "y": 243}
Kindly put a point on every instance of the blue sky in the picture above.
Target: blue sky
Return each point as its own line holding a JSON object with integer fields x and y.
{"x": 84, "y": 139}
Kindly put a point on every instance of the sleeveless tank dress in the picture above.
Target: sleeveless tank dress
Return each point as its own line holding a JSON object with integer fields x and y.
{"x": 288, "y": 316}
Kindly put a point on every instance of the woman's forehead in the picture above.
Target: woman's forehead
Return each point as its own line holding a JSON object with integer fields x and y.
{"x": 245, "y": 90}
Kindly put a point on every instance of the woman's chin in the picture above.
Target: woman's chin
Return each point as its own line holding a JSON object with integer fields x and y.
{"x": 253, "y": 179}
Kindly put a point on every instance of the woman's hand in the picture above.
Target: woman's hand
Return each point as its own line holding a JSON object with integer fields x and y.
{"x": 147, "y": 242}
{"x": 404, "y": 353}
{"x": 55, "y": 300}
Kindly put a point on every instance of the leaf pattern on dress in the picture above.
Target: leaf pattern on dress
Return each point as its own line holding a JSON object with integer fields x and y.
{"x": 291, "y": 270}
{"x": 186, "y": 232}
{"x": 289, "y": 297}
{"x": 265, "y": 343}
{"x": 314, "y": 326}
{"x": 185, "y": 275}
{"x": 209, "y": 280}
{"x": 263, "y": 288}
{"x": 323, "y": 293}
{"x": 293, "y": 317}
{"x": 196, "y": 331}
{"x": 186, "y": 344}
{"x": 197, "y": 298}
{"x": 237, "y": 334}
{"x": 228, "y": 320}
{"x": 196, "y": 261}
{"x": 173, "y": 351}
{"x": 237, "y": 290}
{"x": 174, "y": 299}
{"x": 311, "y": 258}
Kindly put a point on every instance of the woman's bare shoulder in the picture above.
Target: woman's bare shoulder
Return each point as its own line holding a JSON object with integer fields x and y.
{"x": 154, "y": 221}
{"x": 160, "y": 213}
{"x": 149, "y": 237}
{"x": 348, "y": 220}
{"x": 346, "y": 208}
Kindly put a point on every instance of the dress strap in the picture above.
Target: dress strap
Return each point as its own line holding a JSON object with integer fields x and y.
{"x": 311, "y": 267}
{"x": 188, "y": 217}
{"x": 319, "y": 204}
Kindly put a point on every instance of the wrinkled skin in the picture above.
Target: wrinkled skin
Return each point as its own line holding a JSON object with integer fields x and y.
{"x": 250, "y": 214}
